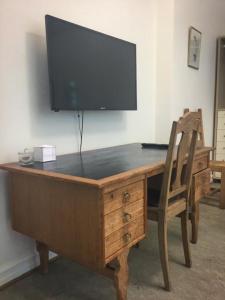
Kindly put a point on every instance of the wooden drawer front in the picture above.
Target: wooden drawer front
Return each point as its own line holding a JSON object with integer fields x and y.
{"x": 220, "y": 135}
{"x": 123, "y": 196}
{"x": 221, "y": 123}
{"x": 124, "y": 236}
{"x": 220, "y": 147}
{"x": 123, "y": 216}
{"x": 201, "y": 184}
{"x": 200, "y": 164}
{"x": 221, "y": 114}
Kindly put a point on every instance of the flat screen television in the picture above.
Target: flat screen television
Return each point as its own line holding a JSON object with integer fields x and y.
{"x": 89, "y": 70}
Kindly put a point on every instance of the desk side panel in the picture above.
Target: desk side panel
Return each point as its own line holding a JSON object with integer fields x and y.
{"x": 66, "y": 216}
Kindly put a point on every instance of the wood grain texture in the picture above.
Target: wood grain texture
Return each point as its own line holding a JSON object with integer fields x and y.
{"x": 200, "y": 185}
{"x": 199, "y": 165}
{"x": 185, "y": 238}
{"x": 120, "y": 217}
{"x": 147, "y": 161}
{"x": 65, "y": 212}
{"x": 121, "y": 276}
{"x": 123, "y": 196}
{"x": 219, "y": 166}
{"x": 124, "y": 236}
{"x": 44, "y": 257}
{"x": 194, "y": 216}
{"x": 176, "y": 185}
{"x": 198, "y": 115}
{"x": 66, "y": 217}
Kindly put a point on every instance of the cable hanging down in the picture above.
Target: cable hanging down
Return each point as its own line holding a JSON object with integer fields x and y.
{"x": 81, "y": 128}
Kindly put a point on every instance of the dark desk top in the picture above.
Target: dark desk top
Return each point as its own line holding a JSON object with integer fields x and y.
{"x": 101, "y": 163}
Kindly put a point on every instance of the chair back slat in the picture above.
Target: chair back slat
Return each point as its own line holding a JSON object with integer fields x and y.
{"x": 198, "y": 115}
{"x": 177, "y": 178}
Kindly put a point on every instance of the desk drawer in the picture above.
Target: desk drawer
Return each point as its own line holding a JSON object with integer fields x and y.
{"x": 200, "y": 184}
{"x": 122, "y": 216}
{"x": 124, "y": 236}
{"x": 200, "y": 164}
{"x": 123, "y": 196}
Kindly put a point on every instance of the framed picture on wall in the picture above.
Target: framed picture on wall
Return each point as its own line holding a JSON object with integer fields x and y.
{"x": 194, "y": 48}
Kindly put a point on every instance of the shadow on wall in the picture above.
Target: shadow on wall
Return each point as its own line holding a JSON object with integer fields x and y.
{"x": 46, "y": 123}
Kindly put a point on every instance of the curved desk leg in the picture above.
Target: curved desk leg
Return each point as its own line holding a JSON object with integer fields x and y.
{"x": 195, "y": 222}
{"x": 43, "y": 254}
{"x": 121, "y": 275}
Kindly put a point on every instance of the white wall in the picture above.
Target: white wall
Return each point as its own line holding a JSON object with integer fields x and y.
{"x": 191, "y": 88}
{"x": 165, "y": 84}
{"x": 164, "y": 68}
{"x": 179, "y": 86}
{"x": 26, "y": 119}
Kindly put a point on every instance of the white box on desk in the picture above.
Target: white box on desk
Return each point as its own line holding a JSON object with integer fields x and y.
{"x": 44, "y": 153}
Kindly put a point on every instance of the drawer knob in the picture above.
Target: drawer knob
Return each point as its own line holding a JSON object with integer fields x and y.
{"x": 127, "y": 217}
{"x": 126, "y": 197}
{"x": 127, "y": 237}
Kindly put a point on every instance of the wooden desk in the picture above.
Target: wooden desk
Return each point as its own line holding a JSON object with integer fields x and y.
{"x": 92, "y": 208}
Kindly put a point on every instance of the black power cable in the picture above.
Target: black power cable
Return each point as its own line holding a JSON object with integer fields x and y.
{"x": 81, "y": 128}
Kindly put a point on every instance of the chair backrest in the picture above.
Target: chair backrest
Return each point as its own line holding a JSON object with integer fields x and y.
{"x": 177, "y": 176}
{"x": 198, "y": 115}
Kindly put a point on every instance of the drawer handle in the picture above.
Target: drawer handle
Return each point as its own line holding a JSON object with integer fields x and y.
{"x": 127, "y": 237}
{"x": 127, "y": 217}
{"x": 126, "y": 197}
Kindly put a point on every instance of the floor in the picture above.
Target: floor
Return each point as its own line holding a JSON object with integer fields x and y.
{"x": 205, "y": 280}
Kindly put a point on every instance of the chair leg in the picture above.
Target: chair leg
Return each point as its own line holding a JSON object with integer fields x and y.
{"x": 185, "y": 239}
{"x": 195, "y": 223}
{"x": 163, "y": 251}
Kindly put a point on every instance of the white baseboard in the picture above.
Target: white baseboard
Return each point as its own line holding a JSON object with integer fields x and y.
{"x": 15, "y": 269}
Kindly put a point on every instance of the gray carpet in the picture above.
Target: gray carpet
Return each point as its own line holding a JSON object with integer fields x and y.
{"x": 205, "y": 280}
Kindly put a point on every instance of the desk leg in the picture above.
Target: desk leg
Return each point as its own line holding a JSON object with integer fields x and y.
{"x": 43, "y": 254}
{"x": 222, "y": 190}
{"x": 195, "y": 222}
{"x": 121, "y": 276}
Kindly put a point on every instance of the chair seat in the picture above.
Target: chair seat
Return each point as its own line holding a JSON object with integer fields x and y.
{"x": 154, "y": 198}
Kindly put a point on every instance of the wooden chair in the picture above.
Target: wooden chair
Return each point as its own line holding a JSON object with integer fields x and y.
{"x": 198, "y": 115}
{"x": 218, "y": 193}
{"x": 173, "y": 198}
{"x": 194, "y": 205}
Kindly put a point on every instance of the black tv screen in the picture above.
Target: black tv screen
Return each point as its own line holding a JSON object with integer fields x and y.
{"x": 89, "y": 70}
